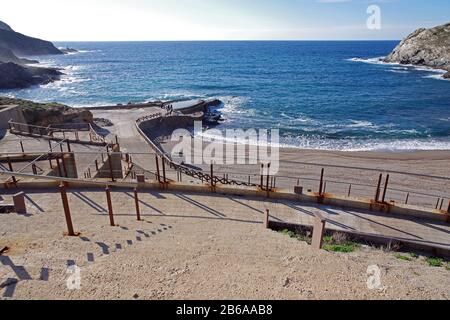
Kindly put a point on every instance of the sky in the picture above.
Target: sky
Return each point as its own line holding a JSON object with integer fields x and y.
{"x": 141, "y": 20}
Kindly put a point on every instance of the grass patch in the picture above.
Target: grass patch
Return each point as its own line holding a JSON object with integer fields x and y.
{"x": 341, "y": 248}
{"x": 402, "y": 257}
{"x": 414, "y": 255}
{"x": 435, "y": 262}
{"x": 337, "y": 243}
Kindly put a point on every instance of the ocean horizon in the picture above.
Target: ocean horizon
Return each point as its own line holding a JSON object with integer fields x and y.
{"x": 325, "y": 95}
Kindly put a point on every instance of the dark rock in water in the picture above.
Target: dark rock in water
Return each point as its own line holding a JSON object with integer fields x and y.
{"x": 14, "y": 76}
{"x": 447, "y": 75}
{"x": 44, "y": 114}
{"x": 425, "y": 47}
{"x": 6, "y": 55}
{"x": 68, "y": 50}
{"x": 21, "y": 44}
{"x": 213, "y": 103}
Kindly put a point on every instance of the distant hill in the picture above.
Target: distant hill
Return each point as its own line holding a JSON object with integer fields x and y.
{"x": 23, "y": 45}
{"x": 4, "y": 26}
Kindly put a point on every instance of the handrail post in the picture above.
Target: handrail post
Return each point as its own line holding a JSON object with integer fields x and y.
{"x": 385, "y": 189}
{"x": 136, "y": 200}
{"x": 321, "y": 182}
{"x": 111, "y": 172}
{"x": 212, "y": 175}
{"x": 66, "y": 207}
{"x": 157, "y": 168}
{"x": 110, "y": 207}
{"x": 64, "y": 165}
{"x": 268, "y": 177}
{"x": 377, "y": 194}
{"x": 164, "y": 171}
{"x": 267, "y": 219}
{"x": 59, "y": 166}
{"x": 262, "y": 176}
{"x": 12, "y": 170}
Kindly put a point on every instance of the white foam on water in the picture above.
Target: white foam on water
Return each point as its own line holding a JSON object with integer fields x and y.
{"x": 398, "y": 71}
{"x": 232, "y": 108}
{"x": 176, "y": 95}
{"x": 436, "y": 77}
{"x": 403, "y": 68}
{"x": 361, "y": 124}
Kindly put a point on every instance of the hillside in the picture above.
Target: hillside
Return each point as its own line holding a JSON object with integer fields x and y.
{"x": 23, "y": 45}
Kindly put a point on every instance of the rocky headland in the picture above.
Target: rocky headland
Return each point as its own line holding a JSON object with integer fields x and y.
{"x": 15, "y": 72}
{"x": 425, "y": 47}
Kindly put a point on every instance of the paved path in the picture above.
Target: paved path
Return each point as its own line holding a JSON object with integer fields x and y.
{"x": 124, "y": 126}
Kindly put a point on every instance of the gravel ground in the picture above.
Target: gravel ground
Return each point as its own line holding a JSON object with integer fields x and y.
{"x": 188, "y": 251}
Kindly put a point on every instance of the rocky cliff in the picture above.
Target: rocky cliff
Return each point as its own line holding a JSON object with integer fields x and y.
{"x": 15, "y": 76}
{"x": 23, "y": 45}
{"x": 425, "y": 47}
{"x": 6, "y": 55}
{"x": 44, "y": 114}
{"x": 4, "y": 26}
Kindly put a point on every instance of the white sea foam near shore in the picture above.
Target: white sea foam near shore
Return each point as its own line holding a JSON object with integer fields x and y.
{"x": 345, "y": 145}
{"x": 403, "y": 68}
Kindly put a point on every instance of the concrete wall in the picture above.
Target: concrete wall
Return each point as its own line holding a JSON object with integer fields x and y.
{"x": 7, "y": 113}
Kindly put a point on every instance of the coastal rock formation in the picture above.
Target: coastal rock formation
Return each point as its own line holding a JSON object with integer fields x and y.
{"x": 425, "y": 47}
{"x": 68, "y": 50}
{"x": 6, "y": 55}
{"x": 13, "y": 72}
{"x": 23, "y": 45}
{"x": 15, "y": 76}
{"x": 44, "y": 114}
{"x": 4, "y": 26}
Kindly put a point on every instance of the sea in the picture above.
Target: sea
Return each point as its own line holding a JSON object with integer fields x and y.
{"x": 326, "y": 95}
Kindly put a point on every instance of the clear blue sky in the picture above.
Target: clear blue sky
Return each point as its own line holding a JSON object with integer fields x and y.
{"x": 91, "y": 20}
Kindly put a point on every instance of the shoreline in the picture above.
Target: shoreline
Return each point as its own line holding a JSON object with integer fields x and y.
{"x": 415, "y": 67}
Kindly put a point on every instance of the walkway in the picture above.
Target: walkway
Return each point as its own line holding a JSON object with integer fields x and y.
{"x": 200, "y": 247}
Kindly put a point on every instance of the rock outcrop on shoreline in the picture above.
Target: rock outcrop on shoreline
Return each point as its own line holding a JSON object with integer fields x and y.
{"x": 6, "y": 55}
{"x": 44, "y": 114}
{"x": 15, "y": 76}
{"x": 14, "y": 72}
{"x": 425, "y": 47}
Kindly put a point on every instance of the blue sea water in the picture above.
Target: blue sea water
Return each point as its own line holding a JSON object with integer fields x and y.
{"x": 320, "y": 95}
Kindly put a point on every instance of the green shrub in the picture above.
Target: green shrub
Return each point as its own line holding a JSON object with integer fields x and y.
{"x": 435, "y": 262}
{"x": 402, "y": 257}
{"x": 341, "y": 248}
